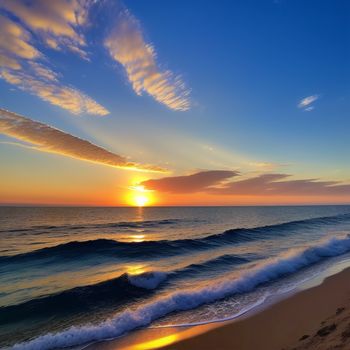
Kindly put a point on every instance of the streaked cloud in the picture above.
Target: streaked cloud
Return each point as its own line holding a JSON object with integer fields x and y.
{"x": 45, "y": 138}
{"x": 218, "y": 182}
{"x": 45, "y": 85}
{"x": 27, "y": 25}
{"x": 9, "y": 62}
{"x": 57, "y": 22}
{"x": 14, "y": 44}
{"x": 198, "y": 182}
{"x": 43, "y": 72}
{"x": 126, "y": 45}
{"x": 252, "y": 186}
{"x": 306, "y": 103}
{"x": 23, "y": 65}
{"x": 278, "y": 184}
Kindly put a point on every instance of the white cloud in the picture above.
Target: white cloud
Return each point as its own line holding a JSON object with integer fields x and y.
{"x": 44, "y": 84}
{"x": 56, "y": 22}
{"x": 61, "y": 25}
{"x": 127, "y": 46}
{"x": 23, "y": 65}
{"x": 306, "y": 102}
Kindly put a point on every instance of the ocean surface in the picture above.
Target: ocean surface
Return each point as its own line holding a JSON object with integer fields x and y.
{"x": 73, "y": 276}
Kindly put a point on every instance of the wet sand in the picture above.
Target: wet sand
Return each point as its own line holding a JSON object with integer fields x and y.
{"x": 315, "y": 318}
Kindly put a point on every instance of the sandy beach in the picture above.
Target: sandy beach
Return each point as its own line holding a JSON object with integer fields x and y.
{"x": 315, "y": 318}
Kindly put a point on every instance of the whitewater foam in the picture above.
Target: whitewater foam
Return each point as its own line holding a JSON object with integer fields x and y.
{"x": 147, "y": 280}
{"x": 285, "y": 264}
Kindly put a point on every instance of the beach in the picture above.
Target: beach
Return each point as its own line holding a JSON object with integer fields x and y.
{"x": 314, "y": 318}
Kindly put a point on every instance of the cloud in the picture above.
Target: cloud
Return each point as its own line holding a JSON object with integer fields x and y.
{"x": 14, "y": 43}
{"x": 45, "y": 138}
{"x": 56, "y": 22}
{"x": 306, "y": 102}
{"x": 61, "y": 25}
{"x": 277, "y": 185}
{"x": 45, "y": 85}
{"x": 8, "y": 62}
{"x": 269, "y": 185}
{"x": 198, "y": 182}
{"x": 126, "y": 45}
{"x": 252, "y": 186}
{"x": 23, "y": 65}
{"x": 43, "y": 72}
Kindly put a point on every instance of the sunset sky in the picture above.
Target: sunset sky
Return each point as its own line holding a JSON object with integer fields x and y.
{"x": 174, "y": 102}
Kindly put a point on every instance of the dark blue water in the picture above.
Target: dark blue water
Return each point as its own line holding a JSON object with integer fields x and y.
{"x": 70, "y": 276}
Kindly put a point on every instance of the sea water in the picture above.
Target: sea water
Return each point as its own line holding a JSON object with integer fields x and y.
{"x": 72, "y": 276}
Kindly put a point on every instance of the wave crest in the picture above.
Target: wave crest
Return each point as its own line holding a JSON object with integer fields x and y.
{"x": 147, "y": 280}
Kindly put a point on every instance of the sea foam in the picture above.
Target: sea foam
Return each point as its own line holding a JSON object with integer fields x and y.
{"x": 147, "y": 280}
{"x": 287, "y": 263}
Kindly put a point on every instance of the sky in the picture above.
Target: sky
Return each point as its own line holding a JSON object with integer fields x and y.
{"x": 157, "y": 102}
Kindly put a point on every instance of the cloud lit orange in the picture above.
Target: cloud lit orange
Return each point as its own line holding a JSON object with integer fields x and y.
{"x": 48, "y": 139}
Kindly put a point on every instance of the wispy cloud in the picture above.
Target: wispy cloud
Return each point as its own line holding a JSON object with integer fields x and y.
{"x": 279, "y": 185}
{"x": 45, "y": 138}
{"x": 126, "y": 45}
{"x": 306, "y": 102}
{"x": 43, "y": 83}
{"x": 26, "y": 26}
{"x": 219, "y": 183}
{"x": 198, "y": 182}
{"x": 23, "y": 65}
{"x": 14, "y": 44}
{"x": 57, "y": 22}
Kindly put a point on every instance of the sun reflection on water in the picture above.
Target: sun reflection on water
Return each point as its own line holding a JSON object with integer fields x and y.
{"x": 136, "y": 238}
{"x": 136, "y": 269}
{"x": 157, "y": 343}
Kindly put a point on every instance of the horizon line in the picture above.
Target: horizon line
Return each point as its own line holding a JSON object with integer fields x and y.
{"x": 34, "y": 205}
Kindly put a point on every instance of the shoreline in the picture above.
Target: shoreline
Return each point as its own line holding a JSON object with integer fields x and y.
{"x": 276, "y": 324}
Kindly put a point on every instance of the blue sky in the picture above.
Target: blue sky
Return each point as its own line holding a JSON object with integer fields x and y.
{"x": 245, "y": 66}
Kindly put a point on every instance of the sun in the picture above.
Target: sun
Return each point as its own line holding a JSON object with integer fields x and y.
{"x": 139, "y": 196}
{"x": 141, "y": 200}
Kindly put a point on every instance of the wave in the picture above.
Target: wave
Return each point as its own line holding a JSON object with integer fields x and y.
{"x": 122, "y": 224}
{"x": 70, "y": 249}
{"x": 86, "y": 298}
{"x": 222, "y": 262}
{"x": 149, "y": 249}
{"x": 268, "y": 271}
{"x": 147, "y": 280}
{"x": 105, "y": 247}
{"x": 119, "y": 290}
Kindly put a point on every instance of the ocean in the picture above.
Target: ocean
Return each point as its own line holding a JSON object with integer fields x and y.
{"x": 74, "y": 276}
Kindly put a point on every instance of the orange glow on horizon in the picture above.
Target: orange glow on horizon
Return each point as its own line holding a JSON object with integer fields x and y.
{"x": 139, "y": 196}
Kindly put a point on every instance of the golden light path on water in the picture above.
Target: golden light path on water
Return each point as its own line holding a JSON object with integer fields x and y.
{"x": 148, "y": 339}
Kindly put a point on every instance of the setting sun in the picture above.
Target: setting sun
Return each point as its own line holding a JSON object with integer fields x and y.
{"x": 139, "y": 196}
{"x": 141, "y": 200}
